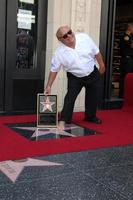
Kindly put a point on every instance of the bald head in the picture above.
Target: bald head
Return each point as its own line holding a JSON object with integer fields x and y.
{"x": 65, "y": 35}
{"x": 61, "y": 30}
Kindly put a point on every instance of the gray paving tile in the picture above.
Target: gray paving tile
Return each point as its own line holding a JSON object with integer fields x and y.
{"x": 122, "y": 155}
{"x": 104, "y": 174}
{"x": 114, "y": 177}
{"x": 128, "y": 190}
{"x": 73, "y": 186}
{"x": 100, "y": 158}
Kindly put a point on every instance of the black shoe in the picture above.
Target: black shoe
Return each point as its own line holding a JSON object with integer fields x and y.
{"x": 94, "y": 120}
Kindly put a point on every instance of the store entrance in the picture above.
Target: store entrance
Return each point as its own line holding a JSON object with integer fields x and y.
{"x": 123, "y": 16}
{"x": 22, "y": 54}
{"x": 115, "y": 15}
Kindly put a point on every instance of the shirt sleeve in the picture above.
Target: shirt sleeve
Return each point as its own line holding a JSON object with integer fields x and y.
{"x": 55, "y": 63}
{"x": 94, "y": 48}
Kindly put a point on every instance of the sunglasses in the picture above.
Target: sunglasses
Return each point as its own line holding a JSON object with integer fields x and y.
{"x": 66, "y": 34}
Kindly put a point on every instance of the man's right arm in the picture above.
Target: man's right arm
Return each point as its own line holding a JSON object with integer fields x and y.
{"x": 52, "y": 76}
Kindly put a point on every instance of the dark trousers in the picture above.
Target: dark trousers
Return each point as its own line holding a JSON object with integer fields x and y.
{"x": 126, "y": 67}
{"x": 75, "y": 84}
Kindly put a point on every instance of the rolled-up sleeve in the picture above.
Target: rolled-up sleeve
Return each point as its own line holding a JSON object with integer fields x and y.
{"x": 92, "y": 45}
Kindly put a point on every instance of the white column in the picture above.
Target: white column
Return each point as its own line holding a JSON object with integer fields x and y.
{"x": 81, "y": 15}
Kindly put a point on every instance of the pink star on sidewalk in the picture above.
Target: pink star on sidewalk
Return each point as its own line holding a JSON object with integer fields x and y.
{"x": 12, "y": 169}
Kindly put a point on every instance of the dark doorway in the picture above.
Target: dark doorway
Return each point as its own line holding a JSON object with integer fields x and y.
{"x": 123, "y": 16}
{"x": 115, "y": 15}
{"x": 23, "y": 47}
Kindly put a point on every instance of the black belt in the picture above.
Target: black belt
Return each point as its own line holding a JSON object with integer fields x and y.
{"x": 93, "y": 72}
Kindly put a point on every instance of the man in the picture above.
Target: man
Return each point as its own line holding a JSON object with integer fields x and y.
{"x": 76, "y": 54}
{"x": 126, "y": 49}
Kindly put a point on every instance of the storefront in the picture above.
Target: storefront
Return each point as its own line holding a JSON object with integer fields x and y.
{"x": 22, "y": 53}
{"x": 27, "y": 29}
{"x": 115, "y": 16}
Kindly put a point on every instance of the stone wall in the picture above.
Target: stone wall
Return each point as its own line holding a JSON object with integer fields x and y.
{"x": 81, "y": 15}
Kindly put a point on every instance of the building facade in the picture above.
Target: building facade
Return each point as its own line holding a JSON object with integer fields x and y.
{"x": 28, "y": 41}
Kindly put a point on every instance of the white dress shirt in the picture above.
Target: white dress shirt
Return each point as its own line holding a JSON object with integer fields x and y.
{"x": 79, "y": 61}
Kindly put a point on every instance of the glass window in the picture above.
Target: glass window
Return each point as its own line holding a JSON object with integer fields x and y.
{"x": 26, "y": 35}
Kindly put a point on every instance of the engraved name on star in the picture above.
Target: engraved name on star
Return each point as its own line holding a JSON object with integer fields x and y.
{"x": 12, "y": 169}
{"x": 47, "y": 104}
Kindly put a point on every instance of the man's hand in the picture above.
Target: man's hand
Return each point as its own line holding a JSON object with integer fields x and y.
{"x": 47, "y": 90}
{"x": 102, "y": 70}
{"x": 101, "y": 64}
{"x": 52, "y": 76}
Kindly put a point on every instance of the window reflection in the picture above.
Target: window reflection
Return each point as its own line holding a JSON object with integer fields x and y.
{"x": 26, "y": 34}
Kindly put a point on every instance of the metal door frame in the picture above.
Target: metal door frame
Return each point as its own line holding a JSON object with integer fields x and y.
{"x": 108, "y": 14}
{"x": 8, "y": 54}
{"x": 2, "y": 52}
